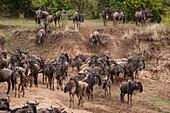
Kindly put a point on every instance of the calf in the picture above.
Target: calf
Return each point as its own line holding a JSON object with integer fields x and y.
{"x": 107, "y": 86}
{"x": 41, "y": 35}
{"x": 18, "y": 78}
{"x": 128, "y": 88}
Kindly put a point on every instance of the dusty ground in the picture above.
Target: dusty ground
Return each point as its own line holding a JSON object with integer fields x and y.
{"x": 154, "y": 98}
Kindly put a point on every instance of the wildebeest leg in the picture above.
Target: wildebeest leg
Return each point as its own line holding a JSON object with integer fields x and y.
{"x": 23, "y": 90}
{"x": 9, "y": 85}
{"x": 36, "y": 80}
{"x": 70, "y": 100}
{"x": 77, "y": 25}
{"x": 12, "y": 82}
{"x": 53, "y": 83}
{"x": 131, "y": 99}
{"x": 122, "y": 97}
{"x": 136, "y": 73}
{"x": 43, "y": 77}
{"x": 30, "y": 83}
{"x": 19, "y": 90}
{"x": 78, "y": 68}
{"x": 111, "y": 77}
{"x": 73, "y": 99}
{"x": 15, "y": 90}
{"x": 136, "y": 22}
{"x": 110, "y": 91}
{"x": 59, "y": 22}
{"x": 50, "y": 82}
{"x": 128, "y": 100}
{"x": 92, "y": 94}
{"x": 78, "y": 95}
{"x": 57, "y": 84}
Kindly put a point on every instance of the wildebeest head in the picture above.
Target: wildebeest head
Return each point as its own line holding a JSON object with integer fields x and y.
{"x": 58, "y": 68}
{"x": 147, "y": 13}
{"x": 96, "y": 74}
{"x": 139, "y": 85}
{"x": 68, "y": 86}
{"x": 56, "y": 109}
{"x": 4, "y": 104}
{"x": 107, "y": 10}
{"x": 32, "y": 107}
{"x": 31, "y": 65}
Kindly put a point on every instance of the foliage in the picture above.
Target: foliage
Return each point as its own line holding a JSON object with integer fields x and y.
{"x": 90, "y": 8}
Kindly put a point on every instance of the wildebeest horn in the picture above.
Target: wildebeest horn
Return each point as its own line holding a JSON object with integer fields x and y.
{"x": 27, "y": 102}
{"x": 36, "y": 103}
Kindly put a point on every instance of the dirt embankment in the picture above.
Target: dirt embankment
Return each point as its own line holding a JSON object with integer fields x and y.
{"x": 150, "y": 43}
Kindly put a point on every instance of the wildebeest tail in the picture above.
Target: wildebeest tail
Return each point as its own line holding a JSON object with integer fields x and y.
{"x": 12, "y": 81}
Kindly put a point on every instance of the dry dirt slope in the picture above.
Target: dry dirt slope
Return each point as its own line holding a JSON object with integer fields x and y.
{"x": 130, "y": 42}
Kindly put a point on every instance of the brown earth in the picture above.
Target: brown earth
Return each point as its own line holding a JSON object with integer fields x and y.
{"x": 150, "y": 43}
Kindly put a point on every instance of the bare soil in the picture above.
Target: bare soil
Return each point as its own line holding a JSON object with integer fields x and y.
{"x": 156, "y": 94}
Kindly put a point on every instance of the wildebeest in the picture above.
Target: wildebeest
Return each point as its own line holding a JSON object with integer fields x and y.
{"x": 52, "y": 110}
{"x": 134, "y": 65}
{"x": 128, "y": 88}
{"x": 33, "y": 72}
{"x": 116, "y": 69}
{"x": 58, "y": 16}
{"x": 4, "y": 104}
{"x": 48, "y": 21}
{"x": 76, "y": 87}
{"x": 78, "y": 17}
{"x": 84, "y": 56}
{"x": 5, "y": 76}
{"x": 107, "y": 86}
{"x": 41, "y": 35}
{"x": 142, "y": 16}
{"x": 30, "y": 108}
{"x": 18, "y": 78}
{"x": 92, "y": 79}
{"x": 94, "y": 40}
{"x": 75, "y": 62}
{"x": 118, "y": 16}
{"x": 63, "y": 58}
{"x": 106, "y": 15}
{"x": 41, "y": 14}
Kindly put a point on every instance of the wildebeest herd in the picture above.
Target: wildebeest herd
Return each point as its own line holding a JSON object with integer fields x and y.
{"x": 23, "y": 68}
